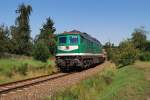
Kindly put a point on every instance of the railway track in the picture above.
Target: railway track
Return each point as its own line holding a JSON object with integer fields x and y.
{"x": 13, "y": 86}
{"x": 43, "y": 86}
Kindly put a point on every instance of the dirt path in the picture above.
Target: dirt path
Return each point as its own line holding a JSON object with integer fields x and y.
{"x": 49, "y": 88}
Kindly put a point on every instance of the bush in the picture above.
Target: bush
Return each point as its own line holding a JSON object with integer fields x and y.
{"x": 125, "y": 54}
{"x": 8, "y": 73}
{"x": 145, "y": 56}
{"x": 23, "y": 69}
{"x": 109, "y": 53}
{"x": 41, "y": 51}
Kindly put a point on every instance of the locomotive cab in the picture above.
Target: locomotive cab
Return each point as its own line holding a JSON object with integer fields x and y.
{"x": 67, "y": 44}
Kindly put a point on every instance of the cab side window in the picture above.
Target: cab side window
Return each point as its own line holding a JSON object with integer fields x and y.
{"x": 74, "y": 39}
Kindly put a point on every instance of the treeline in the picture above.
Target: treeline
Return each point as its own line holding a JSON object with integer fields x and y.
{"x": 135, "y": 48}
{"x": 16, "y": 39}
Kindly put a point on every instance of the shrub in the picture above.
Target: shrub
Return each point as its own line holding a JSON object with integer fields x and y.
{"x": 109, "y": 53}
{"x": 109, "y": 47}
{"x": 145, "y": 56}
{"x": 23, "y": 69}
{"x": 8, "y": 73}
{"x": 41, "y": 51}
{"x": 49, "y": 69}
{"x": 125, "y": 54}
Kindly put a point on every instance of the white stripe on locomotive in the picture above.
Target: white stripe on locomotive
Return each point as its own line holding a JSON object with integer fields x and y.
{"x": 67, "y": 48}
{"x": 79, "y": 54}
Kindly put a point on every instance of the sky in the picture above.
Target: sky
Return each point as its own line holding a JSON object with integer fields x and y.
{"x": 106, "y": 20}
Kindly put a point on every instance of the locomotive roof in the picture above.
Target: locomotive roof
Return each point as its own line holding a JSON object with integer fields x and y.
{"x": 85, "y": 35}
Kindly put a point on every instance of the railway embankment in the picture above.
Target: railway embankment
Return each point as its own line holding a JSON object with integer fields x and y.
{"x": 16, "y": 68}
{"x": 49, "y": 88}
{"x": 127, "y": 83}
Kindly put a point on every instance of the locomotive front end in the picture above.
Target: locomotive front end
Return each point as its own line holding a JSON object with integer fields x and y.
{"x": 67, "y": 51}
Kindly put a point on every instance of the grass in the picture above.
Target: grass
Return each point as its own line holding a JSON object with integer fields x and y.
{"x": 127, "y": 83}
{"x": 13, "y": 69}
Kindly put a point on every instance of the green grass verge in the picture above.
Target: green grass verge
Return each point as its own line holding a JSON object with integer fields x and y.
{"x": 13, "y": 69}
{"x": 7, "y": 64}
{"x": 127, "y": 83}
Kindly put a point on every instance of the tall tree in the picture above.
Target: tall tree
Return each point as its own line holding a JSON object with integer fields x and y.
{"x": 4, "y": 39}
{"x": 47, "y": 35}
{"x": 21, "y": 32}
{"x": 139, "y": 38}
{"x": 14, "y": 38}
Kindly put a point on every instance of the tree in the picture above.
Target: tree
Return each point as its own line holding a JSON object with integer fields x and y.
{"x": 147, "y": 46}
{"x": 41, "y": 51}
{"x": 47, "y": 35}
{"x": 125, "y": 54}
{"x": 109, "y": 47}
{"x": 14, "y": 37}
{"x": 4, "y": 39}
{"x": 21, "y": 32}
{"x": 139, "y": 38}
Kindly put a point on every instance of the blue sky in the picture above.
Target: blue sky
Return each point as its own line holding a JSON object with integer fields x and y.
{"x": 107, "y": 20}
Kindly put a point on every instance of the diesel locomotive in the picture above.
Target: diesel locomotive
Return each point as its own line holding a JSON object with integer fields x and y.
{"x": 78, "y": 50}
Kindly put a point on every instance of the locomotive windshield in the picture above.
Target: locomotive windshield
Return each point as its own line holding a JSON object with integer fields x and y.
{"x": 62, "y": 39}
{"x": 69, "y": 39}
{"x": 73, "y": 39}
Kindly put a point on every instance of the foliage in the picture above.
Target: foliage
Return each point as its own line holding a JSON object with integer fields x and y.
{"x": 109, "y": 47}
{"x": 21, "y": 31}
{"x": 41, "y": 51}
{"x": 4, "y": 39}
{"x": 147, "y": 46}
{"x": 144, "y": 56}
{"x": 23, "y": 69}
{"x": 47, "y": 35}
{"x": 139, "y": 38}
{"x": 130, "y": 50}
{"x": 125, "y": 54}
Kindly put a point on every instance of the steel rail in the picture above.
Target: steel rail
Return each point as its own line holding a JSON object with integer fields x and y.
{"x": 5, "y": 88}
